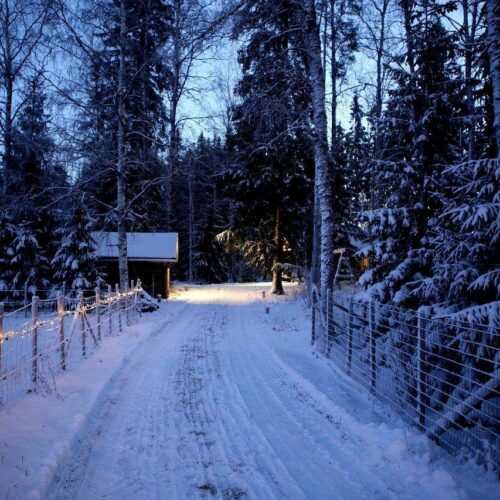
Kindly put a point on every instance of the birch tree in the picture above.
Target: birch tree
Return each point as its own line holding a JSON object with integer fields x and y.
{"x": 306, "y": 11}
{"x": 23, "y": 25}
{"x": 196, "y": 24}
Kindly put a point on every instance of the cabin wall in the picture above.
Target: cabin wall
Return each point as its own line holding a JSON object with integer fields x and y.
{"x": 153, "y": 275}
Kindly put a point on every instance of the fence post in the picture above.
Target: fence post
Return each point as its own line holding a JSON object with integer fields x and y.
{"x": 82, "y": 324}
{"x": 329, "y": 322}
{"x": 26, "y": 299}
{"x": 138, "y": 298}
{"x": 421, "y": 369}
{"x": 373, "y": 348}
{"x": 2, "y": 310}
{"x": 349, "y": 334}
{"x": 98, "y": 311}
{"x": 62, "y": 340}
{"x": 118, "y": 307}
{"x": 110, "y": 310}
{"x": 313, "y": 317}
{"x": 34, "y": 351}
{"x": 132, "y": 288}
{"x": 127, "y": 317}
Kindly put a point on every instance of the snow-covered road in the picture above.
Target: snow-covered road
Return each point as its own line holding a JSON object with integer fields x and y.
{"x": 227, "y": 401}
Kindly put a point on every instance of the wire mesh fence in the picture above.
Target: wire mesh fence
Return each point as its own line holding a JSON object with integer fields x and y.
{"x": 51, "y": 335}
{"x": 439, "y": 374}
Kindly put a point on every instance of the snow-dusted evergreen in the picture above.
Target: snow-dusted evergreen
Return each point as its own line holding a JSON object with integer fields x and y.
{"x": 270, "y": 175}
{"x": 75, "y": 260}
{"x": 420, "y": 136}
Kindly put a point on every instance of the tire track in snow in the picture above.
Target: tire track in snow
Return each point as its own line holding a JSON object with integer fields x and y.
{"x": 325, "y": 466}
{"x": 123, "y": 448}
{"x": 223, "y": 429}
{"x": 207, "y": 409}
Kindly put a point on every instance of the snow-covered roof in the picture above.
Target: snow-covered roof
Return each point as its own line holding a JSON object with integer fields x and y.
{"x": 161, "y": 247}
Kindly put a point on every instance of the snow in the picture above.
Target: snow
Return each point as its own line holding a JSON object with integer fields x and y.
{"x": 140, "y": 246}
{"x": 212, "y": 396}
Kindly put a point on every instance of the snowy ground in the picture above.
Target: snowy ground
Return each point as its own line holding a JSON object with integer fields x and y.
{"x": 215, "y": 398}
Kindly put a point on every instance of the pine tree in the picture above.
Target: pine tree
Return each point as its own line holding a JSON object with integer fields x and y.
{"x": 145, "y": 80}
{"x": 30, "y": 264}
{"x": 269, "y": 182}
{"x": 75, "y": 261}
{"x": 202, "y": 209}
{"x": 6, "y": 250}
{"x": 466, "y": 269}
{"x": 358, "y": 152}
{"x": 420, "y": 128}
{"x": 33, "y": 194}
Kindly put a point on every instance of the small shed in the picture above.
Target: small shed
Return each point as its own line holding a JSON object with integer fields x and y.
{"x": 150, "y": 257}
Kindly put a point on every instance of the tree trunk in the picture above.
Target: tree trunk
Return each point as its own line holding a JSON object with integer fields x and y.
{"x": 380, "y": 80}
{"x": 172, "y": 116}
{"x": 469, "y": 34}
{"x": 322, "y": 181}
{"x": 120, "y": 170}
{"x": 377, "y": 153}
{"x": 334, "y": 73}
{"x": 493, "y": 19}
{"x": 7, "y": 132}
{"x": 191, "y": 222}
{"x": 277, "y": 287}
{"x": 316, "y": 244}
{"x": 232, "y": 251}
{"x": 8, "y": 78}
{"x": 172, "y": 160}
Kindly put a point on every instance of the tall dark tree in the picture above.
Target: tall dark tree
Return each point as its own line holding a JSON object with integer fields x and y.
{"x": 202, "y": 209}
{"x": 33, "y": 193}
{"x": 270, "y": 179}
{"x": 75, "y": 261}
{"x": 421, "y": 132}
{"x": 145, "y": 79}
{"x": 358, "y": 152}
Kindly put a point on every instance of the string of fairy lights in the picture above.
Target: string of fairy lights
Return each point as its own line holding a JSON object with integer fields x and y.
{"x": 53, "y": 323}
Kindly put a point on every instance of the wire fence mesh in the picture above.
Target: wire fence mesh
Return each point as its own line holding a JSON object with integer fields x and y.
{"x": 51, "y": 335}
{"x": 439, "y": 374}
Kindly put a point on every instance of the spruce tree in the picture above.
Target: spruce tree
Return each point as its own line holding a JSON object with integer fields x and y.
{"x": 269, "y": 181}
{"x": 75, "y": 261}
{"x": 146, "y": 79}
{"x": 420, "y": 134}
{"x": 358, "y": 153}
{"x": 6, "y": 250}
{"x": 33, "y": 192}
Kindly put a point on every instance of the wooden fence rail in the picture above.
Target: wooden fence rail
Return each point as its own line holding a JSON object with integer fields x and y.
{"x": 57, "y": 333}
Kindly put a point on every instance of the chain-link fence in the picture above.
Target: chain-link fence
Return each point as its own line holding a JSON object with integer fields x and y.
{"x": 438, "y": 373}
{"x": 50, "y": 335}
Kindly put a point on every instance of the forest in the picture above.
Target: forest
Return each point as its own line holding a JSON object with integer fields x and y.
{"x": 267, "y": 134}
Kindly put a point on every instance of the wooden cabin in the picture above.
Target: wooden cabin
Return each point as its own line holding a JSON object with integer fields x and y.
{"x": 150, "y": 257}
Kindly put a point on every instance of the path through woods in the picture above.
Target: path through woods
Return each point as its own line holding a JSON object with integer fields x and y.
{"x": 229, "y": 402}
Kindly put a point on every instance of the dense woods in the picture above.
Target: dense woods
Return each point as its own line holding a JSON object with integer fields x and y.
{"x": 367, "y": 125}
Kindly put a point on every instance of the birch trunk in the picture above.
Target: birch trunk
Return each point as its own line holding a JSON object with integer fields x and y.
{"x": 322, "y": 184}
{"x": 493, "y": 19}
{"x": 120, "y": 170}
{"x": 316, "y": 244}
{"x": 334, "y": 72}
{"x": 8, "y": 78}
{"x": 174, "y": 103}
